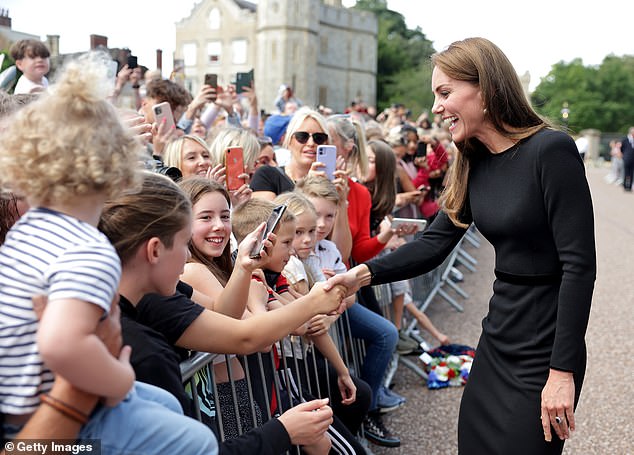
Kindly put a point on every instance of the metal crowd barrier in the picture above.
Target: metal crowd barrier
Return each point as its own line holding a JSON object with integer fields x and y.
{"x": 290, "y": 385}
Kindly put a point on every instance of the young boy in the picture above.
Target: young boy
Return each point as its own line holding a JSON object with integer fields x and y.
{"x": 32, "y": 58}
{"x": 247, "y": 217}
{"x": 379, "y": 334}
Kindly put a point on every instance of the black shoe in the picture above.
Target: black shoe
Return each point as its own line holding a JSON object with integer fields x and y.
{"x": 375, "y": 432}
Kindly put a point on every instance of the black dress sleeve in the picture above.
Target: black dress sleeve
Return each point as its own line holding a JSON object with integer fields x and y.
{"x": 420, "y": 255}
{"x": 570, "y": 217}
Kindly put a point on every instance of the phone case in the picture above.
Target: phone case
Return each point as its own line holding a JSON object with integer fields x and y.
{"x": 234, "y": 164}
{"x": 211, "y": 79}
{"x": 327, "y": 154}
{"x": 271, "y": 225}
{"x": 243, "y": 80}
{"x": 396, "y": 222}
{"x": 163, "y": 111}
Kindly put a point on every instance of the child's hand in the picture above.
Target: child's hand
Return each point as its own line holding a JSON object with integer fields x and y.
{"x": 124, "y": 359}
{"x": 347, "y": 389}
{"x": 443, "y": 339}
{"x": 320, "y": 324}
{"x": 328, "y": 272}
{"x": 244, "y": 249}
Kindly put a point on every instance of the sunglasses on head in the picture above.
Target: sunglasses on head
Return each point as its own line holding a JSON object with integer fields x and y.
{"x": 318, "y": 138}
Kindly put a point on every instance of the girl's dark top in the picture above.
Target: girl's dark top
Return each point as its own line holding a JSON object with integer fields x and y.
{"x": 151, "y": 329}
{"x": 532, "y": 202}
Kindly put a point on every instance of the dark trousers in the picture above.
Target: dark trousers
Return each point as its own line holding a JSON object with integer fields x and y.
{"x": 628, "y": 172}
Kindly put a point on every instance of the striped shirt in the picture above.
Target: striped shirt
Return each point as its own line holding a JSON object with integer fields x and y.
{"x": 53, "y": 254}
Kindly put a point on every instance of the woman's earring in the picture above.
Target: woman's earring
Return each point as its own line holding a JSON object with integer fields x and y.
{"x": 484, "y": 111}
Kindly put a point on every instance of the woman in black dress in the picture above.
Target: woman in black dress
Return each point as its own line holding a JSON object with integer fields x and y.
{"x": 523, "y": 185}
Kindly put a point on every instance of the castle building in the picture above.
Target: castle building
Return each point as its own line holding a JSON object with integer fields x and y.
{"x": 327, "y": 53}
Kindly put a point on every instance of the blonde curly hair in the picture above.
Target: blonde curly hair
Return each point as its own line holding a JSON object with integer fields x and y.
{"x": 70, "y": 142}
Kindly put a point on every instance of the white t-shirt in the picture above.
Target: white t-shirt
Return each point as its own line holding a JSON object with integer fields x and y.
{"x": 26, "y": 85}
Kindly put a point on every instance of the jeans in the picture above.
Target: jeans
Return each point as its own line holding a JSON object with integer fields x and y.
{"x": 380, "y": 337}
{"x": 148, "y": 421}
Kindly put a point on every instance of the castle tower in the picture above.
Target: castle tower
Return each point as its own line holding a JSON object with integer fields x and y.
{"x": 287, "y": 37}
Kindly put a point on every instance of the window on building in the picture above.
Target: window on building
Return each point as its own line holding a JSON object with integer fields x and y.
{"x": 239, "y": 51}
{"x": 189, "y": 54}
{"x": 214, "y": 19}
{"x": 214, "y": 51}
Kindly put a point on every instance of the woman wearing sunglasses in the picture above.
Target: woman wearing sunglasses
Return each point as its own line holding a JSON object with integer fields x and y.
{"x": 306, "y": 130}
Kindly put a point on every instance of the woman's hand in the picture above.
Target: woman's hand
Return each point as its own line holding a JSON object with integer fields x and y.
{"x": 347, "y": 388}
{"x": 558, "y": 397}
{"x": 341, "y": 180}
{"x": 161, "y": 135}
{"x": 217, "y": 173}
{"x": 350, "y": 279}
{"x": 139, "y": 128}
{"x": 242, "y": 194}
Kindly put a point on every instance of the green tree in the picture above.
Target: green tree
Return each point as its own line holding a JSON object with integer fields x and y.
{"x": 403, "y": 73}
{"x": 600, "y": 97}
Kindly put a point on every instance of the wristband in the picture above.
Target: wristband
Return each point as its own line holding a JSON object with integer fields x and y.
{"x": 65, "y": 409}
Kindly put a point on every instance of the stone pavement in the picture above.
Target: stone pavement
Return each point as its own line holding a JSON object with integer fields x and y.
{"x": 605, "y": 415}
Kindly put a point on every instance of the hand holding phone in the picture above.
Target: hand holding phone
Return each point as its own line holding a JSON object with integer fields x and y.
{"x": 420, "y": 224}
{"x": 243, "y": 80}
{"x": 132, "y": 61}
{"x": 271, "y": 226}
{"x": 212, "y": 80}
{"x": 327, "y": 155}
{"x": 234, "y": 164}
{"x": 164, "y": 111}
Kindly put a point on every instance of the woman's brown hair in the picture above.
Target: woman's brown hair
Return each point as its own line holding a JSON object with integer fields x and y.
{"x": 481, "y": 63}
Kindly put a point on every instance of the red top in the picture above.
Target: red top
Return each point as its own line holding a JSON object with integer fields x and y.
{"x": 364, "y": 247}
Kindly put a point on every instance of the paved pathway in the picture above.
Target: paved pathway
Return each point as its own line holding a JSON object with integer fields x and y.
{"x": 605, "y": 415}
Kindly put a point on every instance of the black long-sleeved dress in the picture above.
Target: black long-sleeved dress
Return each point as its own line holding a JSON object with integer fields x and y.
{"x": 532, "y": 202}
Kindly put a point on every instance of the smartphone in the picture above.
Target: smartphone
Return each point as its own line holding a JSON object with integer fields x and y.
{"x": 271, "y": 226}
{"x": 420, "y": 224}
{"x": 421, "y": 149}
{"x": 327, "y": 154}
{"x": 211, "y": 79}
{"x": 234, "y": 164}
{"x": 132, "y": 61}
{"x": 243, "y": 80}
{"x": 163, "y": 111}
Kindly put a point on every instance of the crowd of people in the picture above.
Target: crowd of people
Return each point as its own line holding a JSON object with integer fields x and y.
{"x": 128, "y": 245}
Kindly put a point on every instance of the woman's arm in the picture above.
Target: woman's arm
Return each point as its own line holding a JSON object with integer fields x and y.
{"x": 235, "y": 336}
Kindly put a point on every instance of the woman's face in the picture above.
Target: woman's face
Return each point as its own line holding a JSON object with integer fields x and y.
{"x": 305, "y": 154}
{"x": 343, "y": 147}
{"x": 460, "y": 104}
{"x": 211, "y": 228}
{"x": 195, "y": 159}
{"x": 266, "y": 157}
{"x": 199, "y": 129}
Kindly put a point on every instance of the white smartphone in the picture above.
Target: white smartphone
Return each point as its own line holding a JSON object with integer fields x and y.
{"x": 327, "y": 155}
{"x": 163, "y": 111}
{"x": 420, "y": 224}
{"x": 271, "y": 225}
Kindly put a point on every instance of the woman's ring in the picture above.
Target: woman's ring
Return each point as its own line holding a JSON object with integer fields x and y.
{"x": 558, "y": 419}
